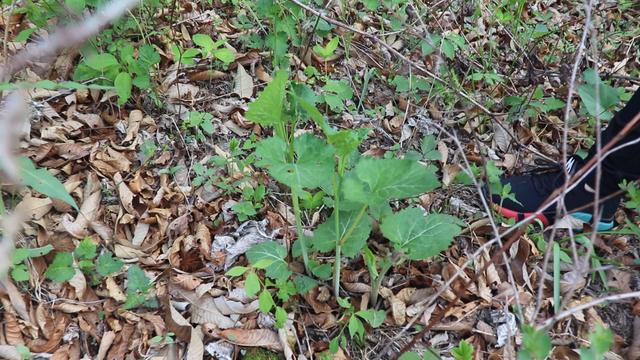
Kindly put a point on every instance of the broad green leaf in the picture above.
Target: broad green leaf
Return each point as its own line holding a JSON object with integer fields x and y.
{"x": 335, "y": 92}
{"x": 86, "y": 250}
{"x": 148, "y": 55}
{"x": 20, "y": 272}
{"x": 304, "y": 283}
{"x": 42, "y": 181}
{"x": 375, "y": 318}
{"x": 61, "y": 269}
{"x": 325, "y": 238}
{"x": 417, "y": 235}
{"x": 464, "y": 351}
{"x": 380, "y": 180}
{"x": 263, "y": 263}
{"x": 536, "y": 344}
{"x": 237, "y": 271}
{"x": 101, "y": 62}
{"x": 313, "y": 165}
{"x": 315, "y": 115}
{"x": 265, "y": 301}
{"x": 326, "y": 51}
{"x": 347, "y": 141}
{"x": 21, "y": 254}
{"x": 123, "y": 85}
{"x": 320, "y": 270}
{"x": 273, "y": 251}
{"x": 601, "y": 342}
{"x": 281, "y": 317}
{"x": 24, "y": 34}
{"x": 356, "y": 328}
{"x": 268, "y": 108}
{"x": 204, "y": 41}
{"x": 225, "y": 55}
{"x": 597, "y": 97}
{"x": 137, "y": 280}
{"x": 107, "y": 264}
{"x": 410, "y": 356}
{"x": 252, "y": 284}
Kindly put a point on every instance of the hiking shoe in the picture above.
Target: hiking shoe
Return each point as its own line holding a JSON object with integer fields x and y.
{"x": 532, "y": 189}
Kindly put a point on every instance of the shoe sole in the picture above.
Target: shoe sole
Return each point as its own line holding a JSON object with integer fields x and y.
{"x": 576, "y": 220}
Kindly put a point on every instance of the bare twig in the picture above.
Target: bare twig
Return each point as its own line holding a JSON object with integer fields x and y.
{"x": 69, "y": 36}
{"x": 592, "y": 303}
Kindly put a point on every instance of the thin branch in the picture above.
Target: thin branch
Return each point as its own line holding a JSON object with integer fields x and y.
{"x": 66, "y": 37}
{"x": 592, "y": 303}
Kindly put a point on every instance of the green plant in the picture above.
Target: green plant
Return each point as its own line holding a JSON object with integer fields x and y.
{"x": 359, "y": 188}
{"x": 536, "y": 344}
{"x": 64, "y": 264}
{"x": 138, "y": 286}
{"x": 19, "y": 270}
{"x": 598, "y": 97}
{"x": 352, "y": 321}
{"x": 163, "y": 339}
{"x": 251, "y": 201}
{"x": 124, "y": 68}
{"x": 270, "y": 257}
{"x": 464, "y": 351}
{"x": 327, "y": 50}
{"x": 214, "y": 49}
{"x": 199, "y": 122}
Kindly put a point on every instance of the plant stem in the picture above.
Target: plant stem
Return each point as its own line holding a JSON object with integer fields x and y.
{"x": 336, "y": 209}
{"x": 375, "y": 286}
{"x": 339, "y": 243}
{"x": 303, "y": 243}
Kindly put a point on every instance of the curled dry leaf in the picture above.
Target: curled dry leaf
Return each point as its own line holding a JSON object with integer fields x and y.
{"x": 105, "y": 343}
{"x": 17, "y": 301}
{"x": 195, "y": 351}
{"x": 48, "y": 345}
{"x": 135, "y": 118}
{"x": 243, "y": 83}
{"x": 263, "y": 338}
{"x": 186, "y": 281}
{"x": 12, "y": 331}
{"x": 318, "y": 307}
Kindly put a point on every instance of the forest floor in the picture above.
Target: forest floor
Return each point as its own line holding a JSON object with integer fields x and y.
{"x": 153, "y": 139}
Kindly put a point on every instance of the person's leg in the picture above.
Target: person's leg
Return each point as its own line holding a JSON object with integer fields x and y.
{"x": 533, "y": 189}
{"x": 624, "y": 164}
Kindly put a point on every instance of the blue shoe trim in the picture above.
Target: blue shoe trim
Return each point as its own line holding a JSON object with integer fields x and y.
{"x": 586, "y": 217}
{"x": 604, "y": 226}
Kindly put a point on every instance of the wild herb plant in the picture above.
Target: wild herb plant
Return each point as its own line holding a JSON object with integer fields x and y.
{"x": 359, "y": 188}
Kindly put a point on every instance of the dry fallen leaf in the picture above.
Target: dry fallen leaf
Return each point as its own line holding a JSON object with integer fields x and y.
{"x": 263, "y": 338}
{"x": 243, "y": 83}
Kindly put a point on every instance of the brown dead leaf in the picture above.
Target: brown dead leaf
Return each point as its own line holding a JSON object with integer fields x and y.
{"x": 243, "y": 83}
{"x": 17, "y": 301}
{"x": 195, "y": 351}
{"x": 121, "y": 343}
{"x": 186, "y": 281}
{"x": 47, "y": 345}
{"x": 105, "y": 343}
{"x": 12, "y": 332}
{"x": 318, "y": 307}
{"x": 135, "y": 118}
{"x": 34, "y": 208}
{"x": 263, "y": 338}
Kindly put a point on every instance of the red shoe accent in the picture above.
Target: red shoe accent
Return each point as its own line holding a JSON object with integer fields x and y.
{"x": 518, "y": 216}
